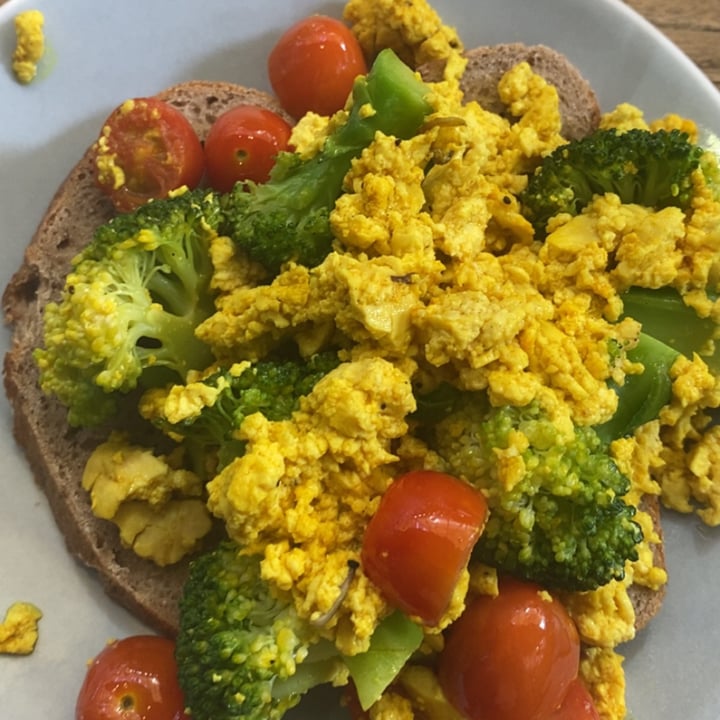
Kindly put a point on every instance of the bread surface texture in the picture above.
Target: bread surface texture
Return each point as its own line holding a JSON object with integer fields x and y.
{"x": 579, "y": 107}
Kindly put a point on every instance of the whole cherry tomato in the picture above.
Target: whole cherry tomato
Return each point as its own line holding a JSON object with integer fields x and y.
{"x": 242, "y": 144}
{"x": 577, "y": 704}
{"x": 510, "y": 657}
{"x": 146, "y": 149}
{"x": 314, "y": 64}
{"x": 132, "y": 679}
{"x": 420, "y": 539}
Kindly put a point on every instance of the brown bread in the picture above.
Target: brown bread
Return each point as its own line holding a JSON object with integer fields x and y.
{"x": 56, "y": 453}
{"x": 579, "y": 106}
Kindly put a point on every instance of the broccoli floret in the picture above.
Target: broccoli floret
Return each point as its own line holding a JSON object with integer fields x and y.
{"x": 271, "y": 387}
{"x": 653, "y": 169}
{"x": 130, "y": 306}
{"x": 288, "y": 217}
{"x": 557, "y": 514}
{"x": 243, "y": 652}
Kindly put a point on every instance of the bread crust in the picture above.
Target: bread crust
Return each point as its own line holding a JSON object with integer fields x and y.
{"x": 646, "y": 601}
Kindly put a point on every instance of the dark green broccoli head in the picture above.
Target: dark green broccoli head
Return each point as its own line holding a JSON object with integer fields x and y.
{"x": 242, "y": 652}
{"x": 557, "y": 516}
{"x": 648, "y": 168}
{"x": 271, "y": 387}
{"x": 130, "y": 306}
{"x": 281, "y": 220}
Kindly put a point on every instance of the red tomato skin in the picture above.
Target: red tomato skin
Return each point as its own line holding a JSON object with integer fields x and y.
{"x": 511, "y": 657}
{"x": 156, "y": 148}
{"x": 313, "y": 65}
{"x": 134, "y": 678}
{"x": 420, "y": 539}
{"x": 242, "y": 144}
{"x": 577, "y": 704}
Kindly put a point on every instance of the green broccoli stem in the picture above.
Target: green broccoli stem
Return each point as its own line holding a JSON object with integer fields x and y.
{"x": 184, "y": 292}
{"x": 169, "y": 341}
{"x": 399, "y": 108}
{"x": 643, "y": 395}
{"x": 394, "y": 641}
{"x": 319, "y": 667}
{"x": 670, "y": 329}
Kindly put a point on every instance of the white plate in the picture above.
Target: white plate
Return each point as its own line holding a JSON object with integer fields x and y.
{"x": 102, "y": 53}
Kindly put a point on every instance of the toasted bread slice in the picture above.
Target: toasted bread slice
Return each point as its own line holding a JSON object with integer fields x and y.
{"x": 57, "y": 454}
{"x": 579, "y": 106}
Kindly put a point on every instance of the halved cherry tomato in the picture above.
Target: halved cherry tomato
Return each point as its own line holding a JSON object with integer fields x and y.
{"x": 314, "y": 64}
{"x": 146, "y": 149}
{"x": 242, "y": 144}
{"x": 131, "y": 679}
{"x": 510, "y": 657}
{"x": 577, "y": 705}
{"x": 420, "y": 539}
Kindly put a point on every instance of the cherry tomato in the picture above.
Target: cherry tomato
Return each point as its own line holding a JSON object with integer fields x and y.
{"x": 510, "y": 657}
{"x": 132, "y": 679}
{"x": 420, "y": 539}
{"x": 314, "y": 64}
{"x": 577, "y": 705}
{"x": 146, "y": 149}
{"x": 242, "y": 145}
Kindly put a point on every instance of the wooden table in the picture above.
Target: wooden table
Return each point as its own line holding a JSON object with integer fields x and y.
{"x": 693, "y": 25}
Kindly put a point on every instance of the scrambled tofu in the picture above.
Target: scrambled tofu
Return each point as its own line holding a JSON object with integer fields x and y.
{"x": 604, "y": 617}
{"x": 421, "y": 685}
{"x": 158, "y": 508}
{"x": 412, "y": 28}
{"x": 435, "y": 273}
{"x": 449, "y": 190}
{"x": 434, "y": 261}
{"x": 19, "y": 629}
{"x": 30, "y": 45}
{"x": 305, "y": 488}
{"x": 602, "y": 672}
{"x": 689, "y": 477}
